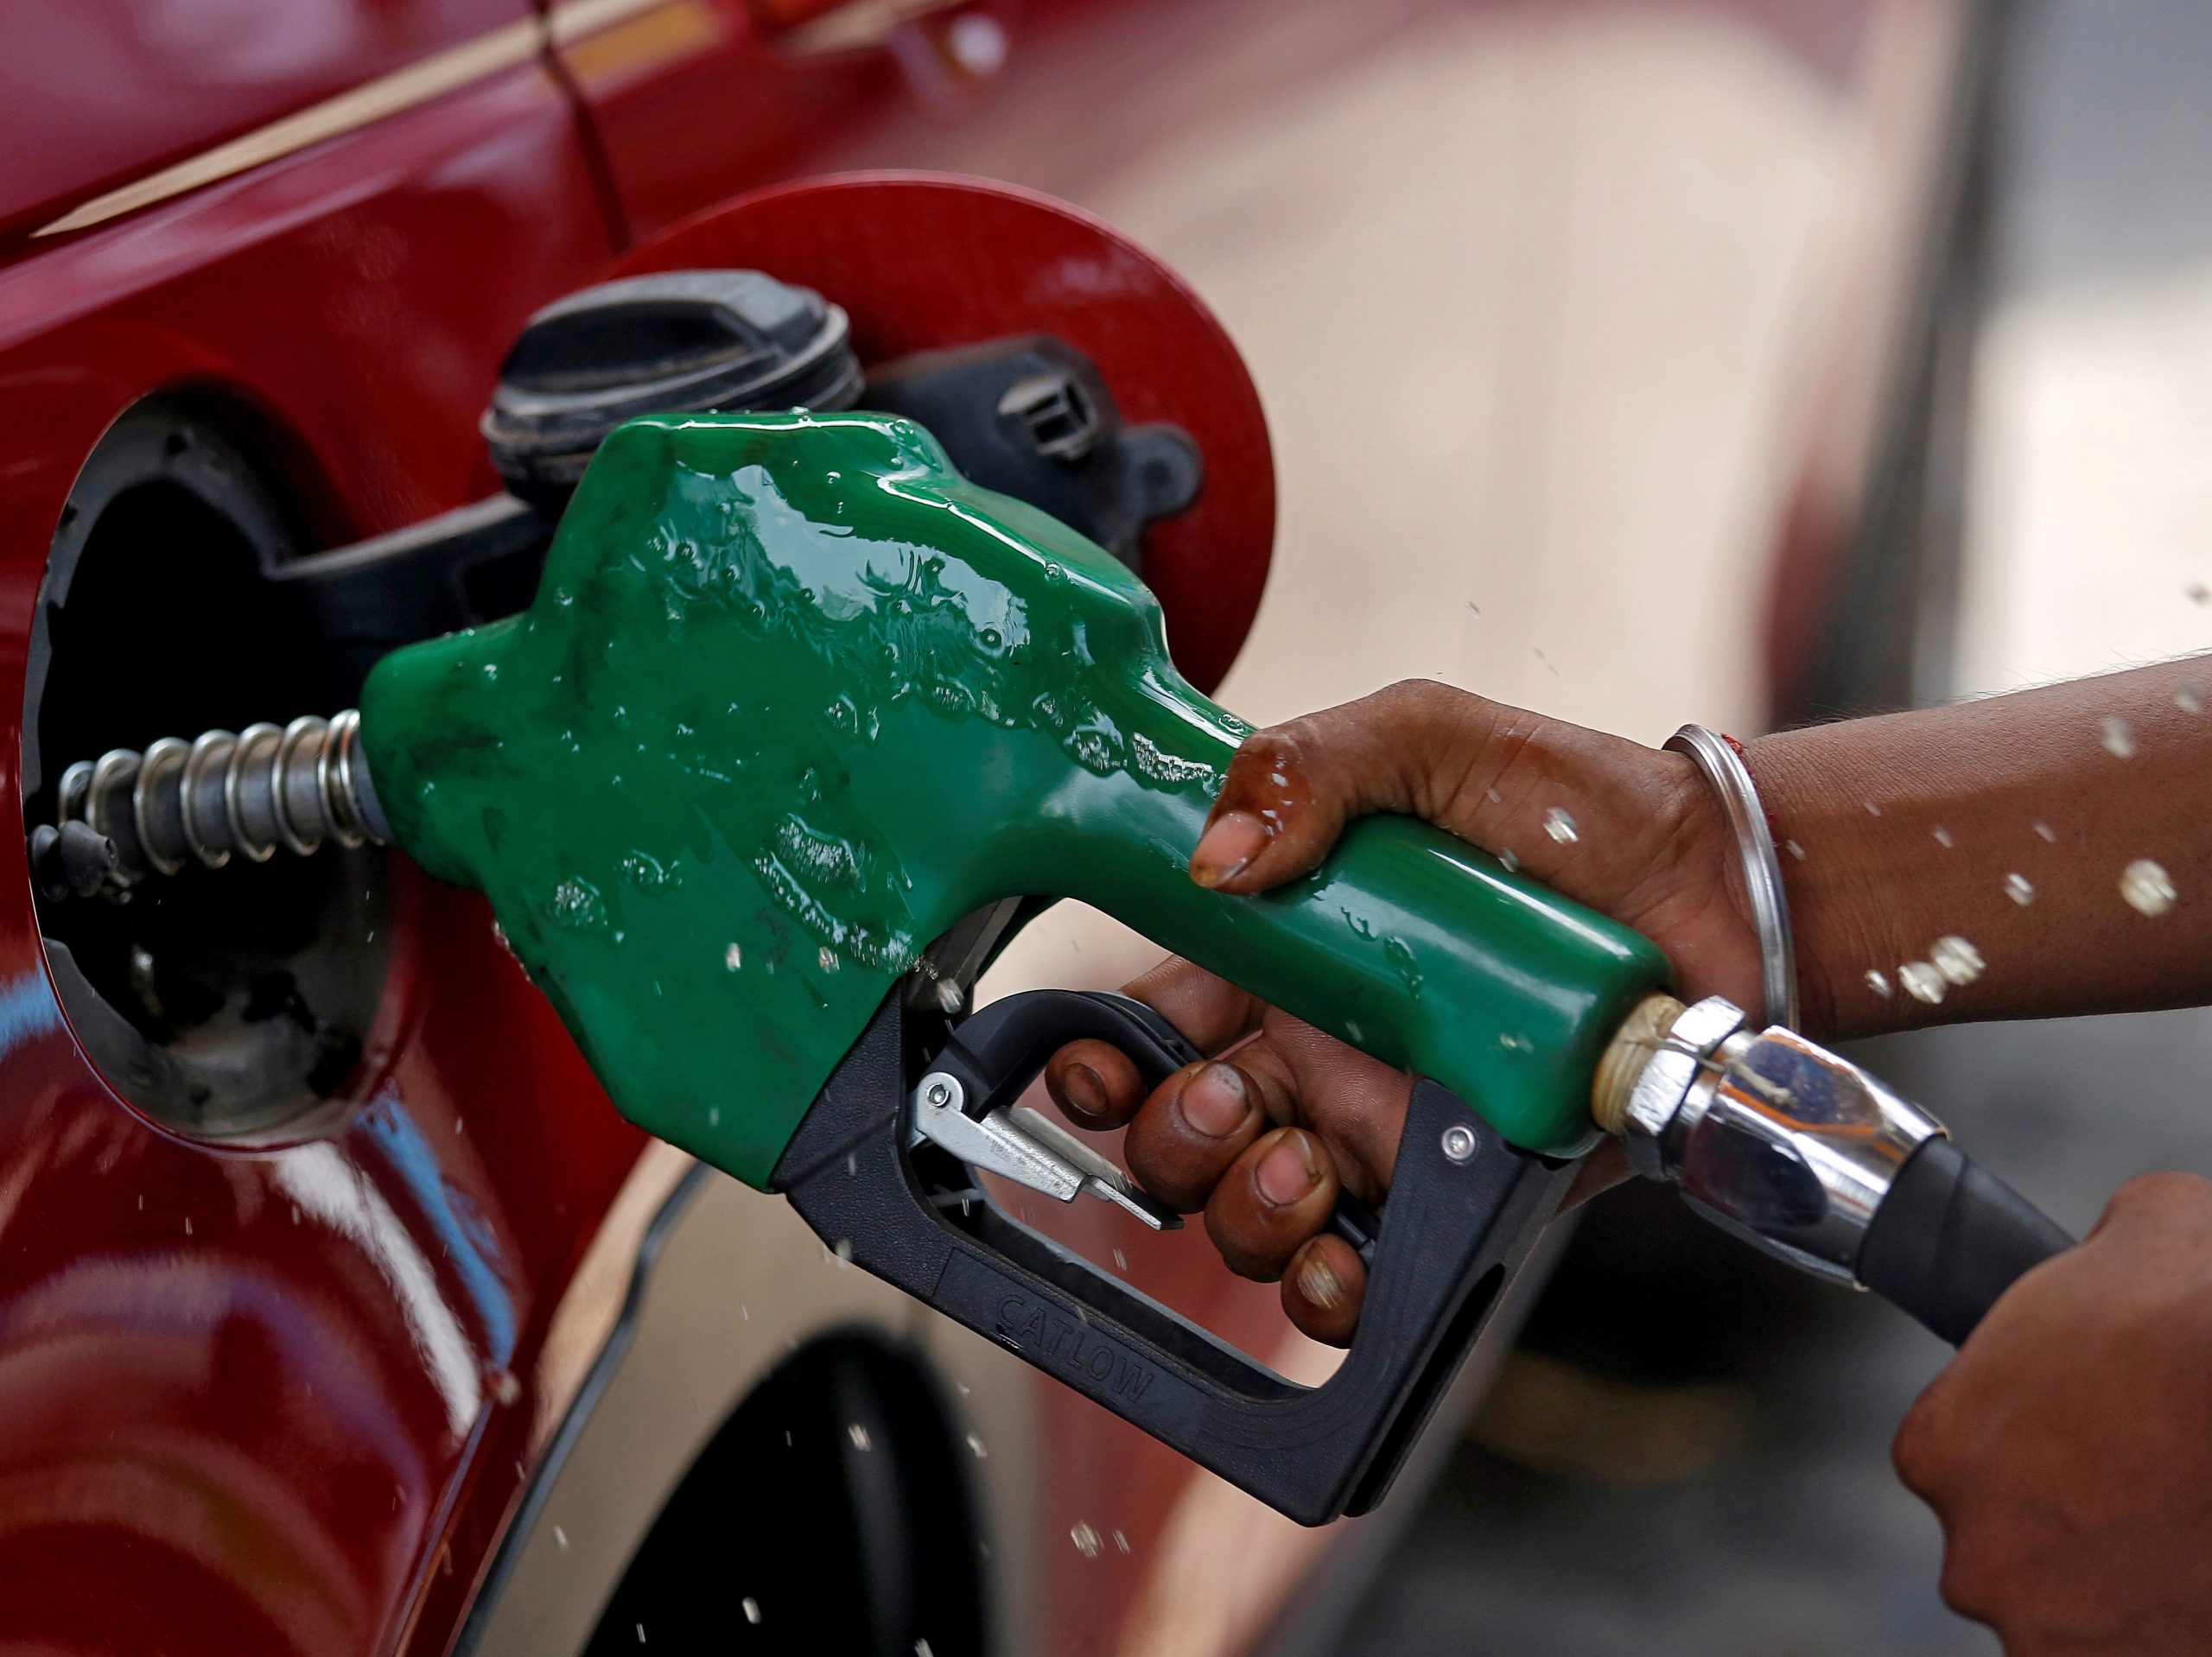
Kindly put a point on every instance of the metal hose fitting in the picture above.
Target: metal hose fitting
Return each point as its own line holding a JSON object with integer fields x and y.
{"x": 293, "y": 786}
{"x": 1619, "y": 1066}
{"x": 1789, "y": 1146}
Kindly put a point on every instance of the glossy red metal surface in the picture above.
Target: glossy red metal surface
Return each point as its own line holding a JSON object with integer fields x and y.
{"x": 688, "y": 103}
{"x": 102, "y": 91}
{"x": 277, "y": 1400}
{"x": 923, "y": 261}
{"x": 284, "y": 1398}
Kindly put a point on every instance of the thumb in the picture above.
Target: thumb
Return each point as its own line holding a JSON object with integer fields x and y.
{"x": 1419, "y": 747}
{"x": 1290, "y": 787}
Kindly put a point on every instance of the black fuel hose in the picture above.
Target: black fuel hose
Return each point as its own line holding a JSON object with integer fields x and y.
{"x": 1949, "y": 1239}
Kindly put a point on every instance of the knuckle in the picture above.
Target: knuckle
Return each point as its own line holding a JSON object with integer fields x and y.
{"x": 1274, "y": 744}
{"x": 1921, "y": 1451}
{"x": 2161, "y": 1195}
{"x": 1417, "y": 697}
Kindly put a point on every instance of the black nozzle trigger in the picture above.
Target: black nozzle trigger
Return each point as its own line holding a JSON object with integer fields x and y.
{"x": 1000, "y": 1050}
{"x": 1464, "y": 1209}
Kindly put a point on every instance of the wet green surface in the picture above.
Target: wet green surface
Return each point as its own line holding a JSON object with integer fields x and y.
{"x": 794, "y": 698}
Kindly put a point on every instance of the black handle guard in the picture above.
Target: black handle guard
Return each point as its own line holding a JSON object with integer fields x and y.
{"x": 1449, "y": 1238}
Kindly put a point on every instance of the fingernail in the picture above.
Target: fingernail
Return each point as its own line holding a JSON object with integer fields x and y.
{"x": 1320, "y": 1286}
{"x": 1286, "y": 1172}
{"x": 1081, "y": 1090}
{"x": 1226, "y": 849}
{"x": 1213, "y": 1103}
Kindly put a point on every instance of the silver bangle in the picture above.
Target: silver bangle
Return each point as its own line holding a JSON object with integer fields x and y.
{"x": 1724, "y": 768}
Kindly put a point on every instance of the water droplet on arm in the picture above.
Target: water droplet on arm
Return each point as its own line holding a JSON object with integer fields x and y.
{"x": 1957, "y": 960}
{"x": 2019, "y": 889}
{"x": 1943, "y": 837}
{"x": 1560, "y": 825}
{"x": 1922, "y": 982}
{"x": 1878, "y": 980}
{"x": 2188, "y": 701}
{"x": 1085, "y": 1539}
{"x": 2147, "y": 887}
{"x": 2117, "y": 737}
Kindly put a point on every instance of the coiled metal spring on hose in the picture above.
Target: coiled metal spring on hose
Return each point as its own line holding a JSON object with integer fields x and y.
{"x": 246, "y": 794}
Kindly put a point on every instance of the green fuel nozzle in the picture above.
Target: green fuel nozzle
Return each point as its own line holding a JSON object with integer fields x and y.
{"x": 800, "y": 722}
{"x": 794, "y": 699}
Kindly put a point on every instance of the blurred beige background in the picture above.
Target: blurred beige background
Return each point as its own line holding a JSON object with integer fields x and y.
{"x": 1548, "y": 305}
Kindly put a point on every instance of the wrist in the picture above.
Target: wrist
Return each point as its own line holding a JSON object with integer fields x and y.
{"x": 1843, "y": 917}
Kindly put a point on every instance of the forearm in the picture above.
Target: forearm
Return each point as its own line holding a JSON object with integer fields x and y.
{"x": 1904, "y": 829}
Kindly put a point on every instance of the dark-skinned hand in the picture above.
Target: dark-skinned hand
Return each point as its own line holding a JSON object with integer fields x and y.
{"x": 1262, "y": 1135}
{"x": 2068, "y": 1447}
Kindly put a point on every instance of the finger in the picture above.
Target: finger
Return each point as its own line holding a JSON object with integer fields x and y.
{"x": 1290, "y": 787}
{"x": 1356, "y": 1103}
{"x": 2171, "y": 1207}
{"x": 1277, "y": 1194}
{"x": 1211, "y": 1012}
{"x": 1323, "y": 1289}
{"x": 1095, "y": 1082}
{"x": 1098, "y": 1086}
{"x": 1190, "y": 1132}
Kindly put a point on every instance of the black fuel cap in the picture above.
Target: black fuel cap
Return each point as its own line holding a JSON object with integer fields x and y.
{"x": 679, "y": 342}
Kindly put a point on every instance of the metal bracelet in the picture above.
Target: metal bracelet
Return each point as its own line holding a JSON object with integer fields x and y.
{"x": 1724, "y": 768}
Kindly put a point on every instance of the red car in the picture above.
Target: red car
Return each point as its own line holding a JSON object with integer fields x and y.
{"x": 325, "y": 1321}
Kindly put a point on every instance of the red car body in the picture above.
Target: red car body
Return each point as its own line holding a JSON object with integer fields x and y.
{"x": 286, "y": 1393}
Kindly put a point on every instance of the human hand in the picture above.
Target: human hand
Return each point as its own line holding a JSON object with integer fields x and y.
{"x": 2066, "y": 1448}
{"x": 1262, "y": 1137}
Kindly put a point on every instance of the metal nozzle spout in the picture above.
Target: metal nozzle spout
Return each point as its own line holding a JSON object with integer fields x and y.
{"x": 296, "y": 787}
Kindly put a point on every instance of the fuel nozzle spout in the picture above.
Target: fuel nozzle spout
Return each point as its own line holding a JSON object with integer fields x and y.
{"x": 1811, "y": 1159}
{"x": 247, "y": 794}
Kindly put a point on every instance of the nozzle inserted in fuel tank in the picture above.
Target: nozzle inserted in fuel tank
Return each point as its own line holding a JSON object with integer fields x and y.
{"x": 247, "y": 794}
